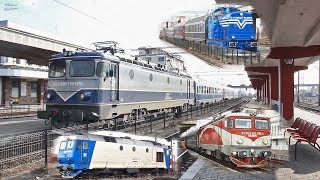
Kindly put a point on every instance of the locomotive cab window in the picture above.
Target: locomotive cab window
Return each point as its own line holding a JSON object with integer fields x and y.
{"x": 82, "y": 68}
{"x": 63, "y": 145}
{"x": 159, "y": 156}
{"x": 57, "y": 69}
{"x": 229, "y": 123}
{"x": 261, "y": 124}
{"x": 243, "y": 123}
{"x": 103, "y": 69}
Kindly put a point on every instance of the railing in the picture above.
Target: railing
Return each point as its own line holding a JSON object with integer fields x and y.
{"x": 16, "y": 110}
{"x": 28, "y": 151}
{"x": 225, "y": 55}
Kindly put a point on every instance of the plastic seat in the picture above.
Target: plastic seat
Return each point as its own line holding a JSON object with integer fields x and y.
{"x": 297, "y": 122}
{"x": 307, "y": 132}
{"x": 312, "y": 140}
{"x": 300, "y": 126}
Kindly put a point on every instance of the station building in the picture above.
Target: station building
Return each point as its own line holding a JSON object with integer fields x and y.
{"x": 20, "y": 82}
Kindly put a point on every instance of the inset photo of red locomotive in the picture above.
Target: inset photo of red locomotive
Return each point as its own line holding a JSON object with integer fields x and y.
{"x": 242, "y": 138}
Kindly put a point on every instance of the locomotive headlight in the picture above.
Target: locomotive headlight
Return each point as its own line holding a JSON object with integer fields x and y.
{"x": 48, "y": 96}
{"x": 234, "y": 153}
{"x": 85, "y": 96}
{"x": 240, "y": 141}
{"x": 265, "y": 141}
{"x": 252, "y": 151}
{"x": 233, "y": 37}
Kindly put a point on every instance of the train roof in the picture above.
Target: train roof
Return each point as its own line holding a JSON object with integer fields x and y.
{"x": 197, "y": 19}
{"x": 120, "y": 140}
{"x": 239, "y": 114}
{"x": 73, "y": 54}
{"x": 236, "y": 14}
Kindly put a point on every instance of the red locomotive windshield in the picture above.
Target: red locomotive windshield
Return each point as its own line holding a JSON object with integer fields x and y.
{"x": 243, "y": 123}
{"x": 261, "y": 124}
{"x": 248, "y": 126}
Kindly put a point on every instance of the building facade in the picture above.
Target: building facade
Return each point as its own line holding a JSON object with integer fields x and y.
{"x": 20, "y": 82}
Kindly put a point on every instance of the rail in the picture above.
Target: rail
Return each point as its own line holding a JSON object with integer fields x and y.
{"x": 308, "y": 107}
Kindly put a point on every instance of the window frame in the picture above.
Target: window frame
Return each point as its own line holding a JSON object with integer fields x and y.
{"x": 261, "y": 120}
{"x": 159, "y": 157}
{"x": 93, "y": 72}
{"x": 247, "y": 119}
{"x": 65, "y": 69}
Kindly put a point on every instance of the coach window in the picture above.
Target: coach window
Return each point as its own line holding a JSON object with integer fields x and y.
{"x": 147, "y": 150}
{"x": 121, "y": 148}
{"x": 168, "y": 80}
{"x": 134, "y": 149}
{"x": 159, "y": 156}
{"x": 82, "y": 68}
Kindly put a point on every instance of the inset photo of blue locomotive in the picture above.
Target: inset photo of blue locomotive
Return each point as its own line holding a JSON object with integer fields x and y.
{"x": 100, "y": 154}
{"x": 86, "y": 87}
{"x": 226, "y": 27}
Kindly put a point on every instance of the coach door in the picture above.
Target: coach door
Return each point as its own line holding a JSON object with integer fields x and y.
{"x": 84, "y": 152}
{"x": 114, "y": 82}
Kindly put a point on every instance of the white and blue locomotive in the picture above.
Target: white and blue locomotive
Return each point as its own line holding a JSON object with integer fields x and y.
{"x": 82, "y": 154}
{"x": 85, "y": 87}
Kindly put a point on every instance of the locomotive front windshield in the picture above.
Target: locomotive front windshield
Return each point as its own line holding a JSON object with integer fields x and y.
{"x": 66, "y": 144}
{"x": 261, "y": 124}
{"x": 57, "y": 69}
{"x": 82, "y": 68}
{"x": 243, "y": 123}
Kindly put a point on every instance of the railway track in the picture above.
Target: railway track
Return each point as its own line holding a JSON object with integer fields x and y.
{"x": 272, "y": 164}
{"x": 308, "y": 107}
{"x": 146, "y": 121}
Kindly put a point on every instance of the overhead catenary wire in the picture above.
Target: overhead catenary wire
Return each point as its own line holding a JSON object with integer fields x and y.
{"x": 85, "y": 14}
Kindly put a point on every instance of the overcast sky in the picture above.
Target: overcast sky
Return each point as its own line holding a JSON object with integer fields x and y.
{"x": 129, "y": 22}
{"x": 133, "y": 23}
